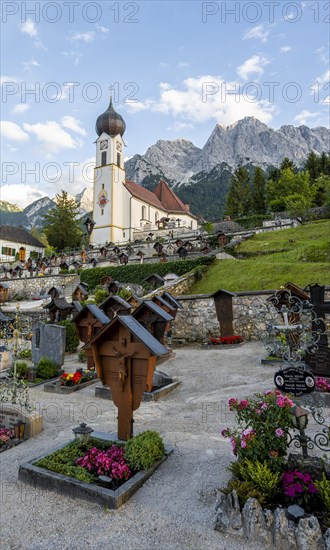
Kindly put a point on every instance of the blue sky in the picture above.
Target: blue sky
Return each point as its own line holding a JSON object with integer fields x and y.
{"x": 174, "y": 68}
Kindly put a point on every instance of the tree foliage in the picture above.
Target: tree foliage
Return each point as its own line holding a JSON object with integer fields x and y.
{"x": 61, "y": 226}
{"x": 290, "y": 185}
{"x": 239, "y": 196}
{"x": 258, "y": 191}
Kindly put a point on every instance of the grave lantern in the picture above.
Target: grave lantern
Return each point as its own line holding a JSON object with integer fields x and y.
{"x": 82, "y": 433}
{"x": 19, "y": 430}
{"x": 299, "y": 419}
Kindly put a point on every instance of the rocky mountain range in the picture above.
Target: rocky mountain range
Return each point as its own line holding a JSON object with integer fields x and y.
{"x": 200, "y": 176}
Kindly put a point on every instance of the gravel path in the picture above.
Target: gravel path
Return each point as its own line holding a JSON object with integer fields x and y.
{"x": 174, "y": 510}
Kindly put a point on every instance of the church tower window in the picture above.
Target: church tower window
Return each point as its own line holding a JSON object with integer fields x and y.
{"x": 144, "y": 213}
{"x": 103, "y": 158}
{"x": 118, "y": 159}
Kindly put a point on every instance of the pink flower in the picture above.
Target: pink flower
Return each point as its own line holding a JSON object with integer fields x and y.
{"x": 280, "y": 401}
{"x": 279, "y": 432}
{"x": 244, "y": 404}
{"x": 264, "y": 406}
{"x": 224, "y": 432}
{"x": 243, "y": 444}
{"x": 232, "y": 402}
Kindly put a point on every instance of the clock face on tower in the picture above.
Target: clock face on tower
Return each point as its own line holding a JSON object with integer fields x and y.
{"x": 103, "y": 145}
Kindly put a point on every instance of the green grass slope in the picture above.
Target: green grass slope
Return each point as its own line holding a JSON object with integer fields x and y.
{"x": 300, "y": 255}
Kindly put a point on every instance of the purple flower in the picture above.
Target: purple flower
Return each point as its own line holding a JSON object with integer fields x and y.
{"x": 287, "y": 478}
{"x": 299, "y": 488}
{"x": 312, "y": 488}
{"x": 290, "y": 491}
{"x": 279, "y": 432}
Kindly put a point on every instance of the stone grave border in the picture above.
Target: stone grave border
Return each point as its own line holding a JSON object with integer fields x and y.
{"x": 104, "y": 392}
{"x": 113, "y": 499}
{"x": 221, "y": 346}
{"x": 55, "y": 387}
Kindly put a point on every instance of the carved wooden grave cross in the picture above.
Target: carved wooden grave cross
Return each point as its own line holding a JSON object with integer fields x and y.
{"x": 320, "y": 360}
{"x": 125, "y": 357}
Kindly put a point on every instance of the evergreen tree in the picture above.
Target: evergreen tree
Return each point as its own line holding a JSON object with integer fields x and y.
{"x": 258, "y": 191}
{"x": 322, "y": 184}
{"x": 312, "y": 164}
{"x": 324, "y": 164}
{"x": 288, "y": 163}
{"x": 61, "y": 226}
{"x": 239, "y": 196}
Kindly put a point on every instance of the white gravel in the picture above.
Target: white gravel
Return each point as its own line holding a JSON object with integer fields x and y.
{"x": 174, "y": 510}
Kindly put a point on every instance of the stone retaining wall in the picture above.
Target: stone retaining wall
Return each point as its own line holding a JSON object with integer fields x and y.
{"x": 32, "y": 287}
{"x": 197, "y": 321}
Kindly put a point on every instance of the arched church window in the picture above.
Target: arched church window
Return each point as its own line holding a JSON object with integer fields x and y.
{"x": 118, "y": 159}
{"x": 144, "y": 213}
{"x": 156, "y": 217}
{"x": 103, "y": 158}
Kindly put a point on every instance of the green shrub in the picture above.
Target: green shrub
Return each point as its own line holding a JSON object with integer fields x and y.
{"x": 244, "y": 490}
{"x": 136, "y": 273}
{"x": 100, "y": 295}
{"x": 21, "y": 369}
{"x": 47, "y": 368}
{"x": 323, "y": 487}
{"x": 71, "y": 336}
{"x": 25, "y": 354}
{"x": 124, "y": 293}
{"x": 261, "y": 477}
{"x": 143, "y": 450}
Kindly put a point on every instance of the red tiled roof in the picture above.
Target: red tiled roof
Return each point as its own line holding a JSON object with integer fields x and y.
{"x": 169, "y": 199}
{"x": 162, "y": 197}
{"x": 143, "y": 194}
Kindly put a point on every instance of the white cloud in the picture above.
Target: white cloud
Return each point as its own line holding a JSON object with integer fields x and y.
{"x": 205, "y": 98}
{"x": 252, "y": 66}
{"x": 20, "y": 108}
{"x": 73, "y": 124}
{"x": 183, "y": 64}
{"x": 27, "y": 65}
{"x": 12, "y": 131}
{"x": 323, "y": 54}
{"x": 76, "y": 56}
{"x": 285, "y": 49}
{"x": 10, "y": 79}
{"x": 21, "y": 194}
{"x": 257, "y": 32}
{"x": 87, "y": 36}
{"x": 29, "y": 28}
{"x": 52, "y": 136}
{"x": 305, "y": 116}
{"x": 102, "y": 29}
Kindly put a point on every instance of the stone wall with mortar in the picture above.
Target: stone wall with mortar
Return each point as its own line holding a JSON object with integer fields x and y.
{"x": 32, "y": 287}
{"x": 197, "y": 321}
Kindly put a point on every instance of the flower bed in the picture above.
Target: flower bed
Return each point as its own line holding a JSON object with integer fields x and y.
{"x": 104, "y": 471}
{"x": 226, "y": 341}
{"x": 262, "y": 472}
{"x": 7, "y": 439}
{"x": 69, "y": 383}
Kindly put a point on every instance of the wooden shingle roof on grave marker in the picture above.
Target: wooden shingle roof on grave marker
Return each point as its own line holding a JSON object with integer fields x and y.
{"x": 58, "y": 309}
{"x": 155, "y": 280}
{"x": 155, "y": 319}
{"x": 164, "y": 304}
{"x": 171, "y": 300}
{"x": 115, "y": 305}
{"x": 89, "y": 320}
{"x": 80, "y": 293}
{"x": 54, "y": 292}
{"x": 125, "y": 355}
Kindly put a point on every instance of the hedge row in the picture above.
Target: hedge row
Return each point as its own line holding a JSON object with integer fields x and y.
{"x": 136, "y": 273}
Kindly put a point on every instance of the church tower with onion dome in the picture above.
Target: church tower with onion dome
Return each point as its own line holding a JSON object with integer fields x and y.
{"x": 109, "y": 213}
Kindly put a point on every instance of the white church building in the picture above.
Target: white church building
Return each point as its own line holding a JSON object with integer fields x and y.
{"x": 120, "y": 207}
